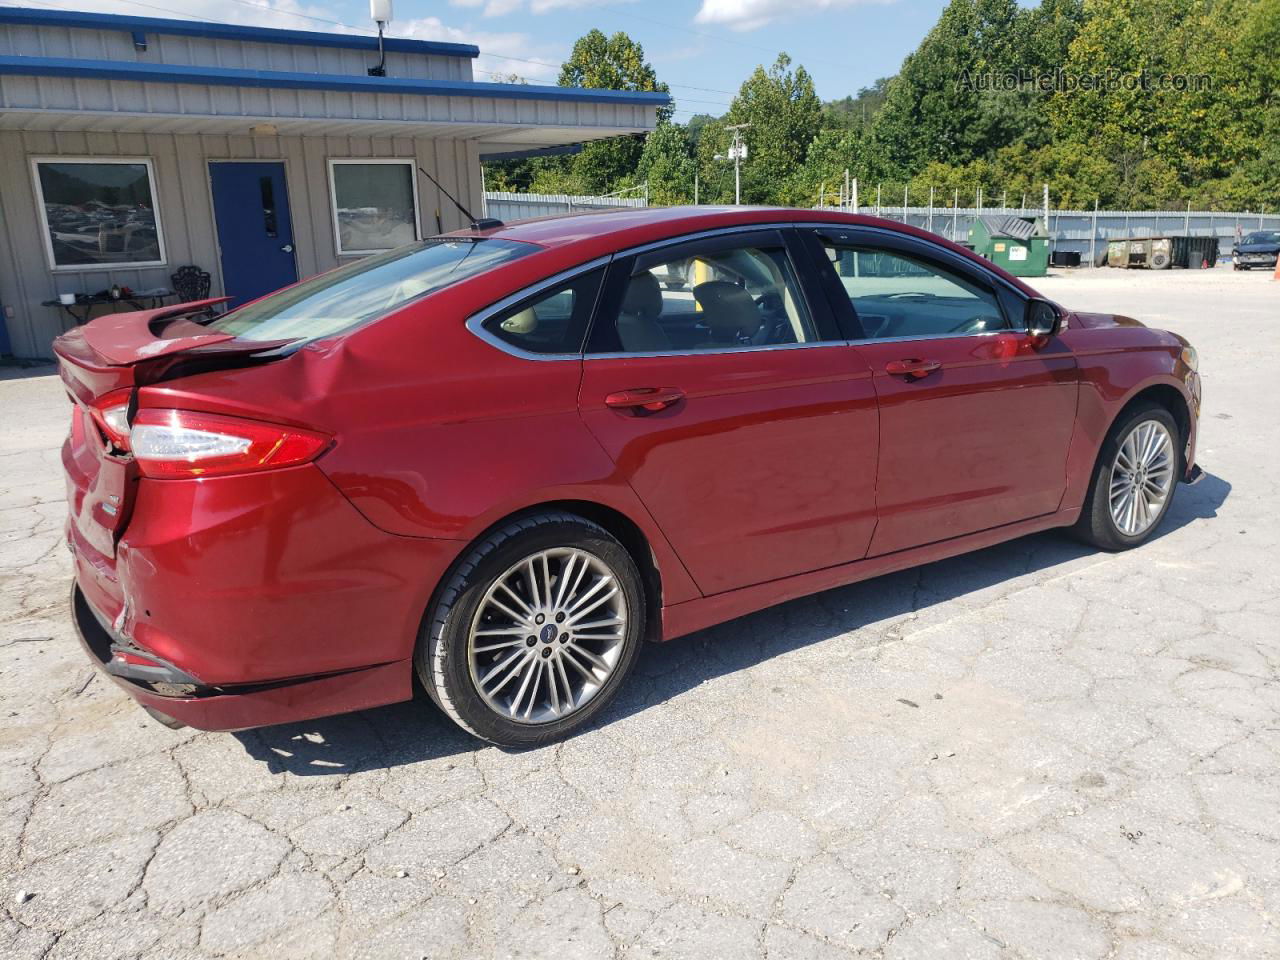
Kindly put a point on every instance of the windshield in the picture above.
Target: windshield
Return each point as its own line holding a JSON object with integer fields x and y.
{"x": 343, "y": 298}
{"x": 1263, "y": 236}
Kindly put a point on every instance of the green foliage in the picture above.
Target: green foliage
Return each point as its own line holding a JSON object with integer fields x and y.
{"x": 667, "y": 165}
{"x": 1215, "y": 143}
{"x": 784, "y": 114}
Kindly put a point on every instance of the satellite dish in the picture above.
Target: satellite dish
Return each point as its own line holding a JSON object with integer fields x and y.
{"x": 380, "y": 10}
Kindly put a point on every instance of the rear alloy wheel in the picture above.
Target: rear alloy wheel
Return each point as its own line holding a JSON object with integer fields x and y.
{"x": 1134, "y": 480}
{"x": 535, "y": 630}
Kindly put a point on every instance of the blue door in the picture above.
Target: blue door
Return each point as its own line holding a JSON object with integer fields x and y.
{"x": 255, "y": 233}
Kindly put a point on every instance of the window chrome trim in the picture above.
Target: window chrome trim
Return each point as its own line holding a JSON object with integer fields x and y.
{"x": 718, "y": 351}
{"x": 475, "y": 323}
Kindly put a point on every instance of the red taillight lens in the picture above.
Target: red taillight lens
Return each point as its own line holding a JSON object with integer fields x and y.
{"x": 182, "y": 444}
{"x": 111, "y": 413}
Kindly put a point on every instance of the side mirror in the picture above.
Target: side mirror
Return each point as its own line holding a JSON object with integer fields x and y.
{"x": 1043, "y": 318}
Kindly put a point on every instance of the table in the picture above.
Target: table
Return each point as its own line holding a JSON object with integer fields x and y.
{"x": 85, "y": 302}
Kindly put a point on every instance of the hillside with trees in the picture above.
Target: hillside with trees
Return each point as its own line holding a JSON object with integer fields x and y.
{"x": 1210, "y": 135}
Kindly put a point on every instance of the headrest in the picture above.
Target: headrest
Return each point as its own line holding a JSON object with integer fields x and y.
{"x": 727, "y": 308}
{"x": 526, "y": 321}
{"x": 643, "y": 297}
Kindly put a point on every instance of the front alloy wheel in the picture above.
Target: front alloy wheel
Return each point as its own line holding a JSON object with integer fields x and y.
{"x": 1134, "y": 479}
{"x": 534, "y": 630}
{"x": 1141, "y": 477}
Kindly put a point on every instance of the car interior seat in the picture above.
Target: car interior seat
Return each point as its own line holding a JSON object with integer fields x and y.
{"x": 638, "y": 327}
{"x": 729, "y": 311}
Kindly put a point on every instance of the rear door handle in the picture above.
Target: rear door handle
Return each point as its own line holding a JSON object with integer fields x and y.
{"x": 648, "y": 399}
{"x": 912, "y": 368}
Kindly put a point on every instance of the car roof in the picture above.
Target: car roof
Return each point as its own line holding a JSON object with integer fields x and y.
{"x": 600, "y": 232}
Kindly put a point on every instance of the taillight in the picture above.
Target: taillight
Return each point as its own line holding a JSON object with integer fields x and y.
{"x": 111, "y": 413}
{"x": 182, "y": 444}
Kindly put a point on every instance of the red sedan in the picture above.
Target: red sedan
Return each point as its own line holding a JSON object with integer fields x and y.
{"x": 498, "y": 460}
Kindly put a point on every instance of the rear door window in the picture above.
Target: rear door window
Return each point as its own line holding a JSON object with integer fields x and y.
{"x": 341, "y": 299}
{"x": 715, "y": 295}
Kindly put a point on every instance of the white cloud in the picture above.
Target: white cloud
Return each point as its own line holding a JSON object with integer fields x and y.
{"x": 745, "y": 15}
{"x": 493, "y": 47}
{"x": 500, "y": 8}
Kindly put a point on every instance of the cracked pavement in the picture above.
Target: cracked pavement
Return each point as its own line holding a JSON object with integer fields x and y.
{"x": 1034, "y": 751}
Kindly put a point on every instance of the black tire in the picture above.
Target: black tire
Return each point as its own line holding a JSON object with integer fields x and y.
{"x": 1096, "y": 525}
{"x": 441, "y": 658}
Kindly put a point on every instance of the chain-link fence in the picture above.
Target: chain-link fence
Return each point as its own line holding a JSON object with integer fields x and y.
{"x": 1086, "y": 232}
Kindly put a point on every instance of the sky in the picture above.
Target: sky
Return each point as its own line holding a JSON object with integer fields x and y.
{"x": 703, "y": 49}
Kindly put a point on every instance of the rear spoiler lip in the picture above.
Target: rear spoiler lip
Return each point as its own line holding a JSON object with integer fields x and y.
{"x": 123, "y": 339}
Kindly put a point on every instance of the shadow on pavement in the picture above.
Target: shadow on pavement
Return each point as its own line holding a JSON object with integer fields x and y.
{"x": 417, "y": 731}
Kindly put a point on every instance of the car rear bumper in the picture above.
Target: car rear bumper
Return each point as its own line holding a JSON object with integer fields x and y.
{"x": 252, "y": 600}
{"x": 192, "y": 704}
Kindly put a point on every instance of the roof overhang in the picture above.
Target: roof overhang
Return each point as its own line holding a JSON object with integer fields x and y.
{"x": 167, "y": 98}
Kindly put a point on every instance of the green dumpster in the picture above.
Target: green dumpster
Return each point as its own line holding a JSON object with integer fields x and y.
{"x": 1018, "y": 244}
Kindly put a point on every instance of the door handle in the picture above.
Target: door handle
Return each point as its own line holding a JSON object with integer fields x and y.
{"x": 915, "y": 369}
{"x": 648, "y": 399}
{"x": 287, "y": 248}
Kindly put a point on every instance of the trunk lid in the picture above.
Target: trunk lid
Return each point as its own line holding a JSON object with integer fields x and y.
{"x": 101, "y": 363}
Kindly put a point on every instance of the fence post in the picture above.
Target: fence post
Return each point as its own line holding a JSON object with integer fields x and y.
{"x": 1093, "y": 237}
{"x": 955, "y": 214}
{"x": 931, "y": 209}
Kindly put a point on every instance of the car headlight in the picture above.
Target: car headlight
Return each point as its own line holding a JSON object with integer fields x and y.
{"x": 1191, "y": 358}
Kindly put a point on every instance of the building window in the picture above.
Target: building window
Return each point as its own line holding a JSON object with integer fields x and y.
{"x": 375, "y": 204}
{"x": 98, "y": 213}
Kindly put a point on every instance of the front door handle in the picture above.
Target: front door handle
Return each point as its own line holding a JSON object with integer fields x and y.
{"x": 915, "y": 369}
{"x": 287, "y": 248}
{"x": 647, "y": 399}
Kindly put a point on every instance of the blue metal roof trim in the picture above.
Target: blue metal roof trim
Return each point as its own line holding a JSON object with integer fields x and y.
{"x": 221, "y": 31}
{"x": 227, "y": 77}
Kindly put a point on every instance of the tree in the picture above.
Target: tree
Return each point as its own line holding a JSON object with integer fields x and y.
{"x": 785, "y": 114}
{"x": 611, "y": 63}
{"x": 667, "y": 165}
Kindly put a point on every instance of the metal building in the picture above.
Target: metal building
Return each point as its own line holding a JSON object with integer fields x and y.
{"x": 131, "y": 147}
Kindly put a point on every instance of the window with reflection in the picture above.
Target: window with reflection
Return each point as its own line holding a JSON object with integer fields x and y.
{"x": 374, "y": 204}
{"x": 98, "y": 213}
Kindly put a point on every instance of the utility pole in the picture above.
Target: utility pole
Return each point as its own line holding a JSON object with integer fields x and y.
{"x": 695, "y": 186}
{"x": 737, "y": 153}
{"x": 855, "y": 194}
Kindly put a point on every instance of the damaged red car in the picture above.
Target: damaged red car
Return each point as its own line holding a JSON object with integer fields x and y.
{"x": 499, "y": 460}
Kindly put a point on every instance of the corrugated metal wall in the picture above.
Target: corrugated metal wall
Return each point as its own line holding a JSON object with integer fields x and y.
{"x": 185, "y": 208}
{"x": 520, "y": 206}
{"x": 50, "y": 41}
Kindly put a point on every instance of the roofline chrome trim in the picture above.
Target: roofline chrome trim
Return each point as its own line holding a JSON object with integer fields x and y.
{"x": 475, "y": 323}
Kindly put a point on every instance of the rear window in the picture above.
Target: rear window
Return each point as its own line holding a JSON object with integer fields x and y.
{"x": 348, "y": 296}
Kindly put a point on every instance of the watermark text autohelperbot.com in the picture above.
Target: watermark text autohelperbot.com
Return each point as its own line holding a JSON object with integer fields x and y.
{"x": 1105, "y": 81}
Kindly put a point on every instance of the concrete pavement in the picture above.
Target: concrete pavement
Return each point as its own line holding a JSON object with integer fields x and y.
{"x": 1033, "y": 751}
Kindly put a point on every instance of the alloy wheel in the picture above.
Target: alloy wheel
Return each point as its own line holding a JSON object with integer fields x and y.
{"x": 547, "y": 635}
{"x": 1141, "y": 477}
